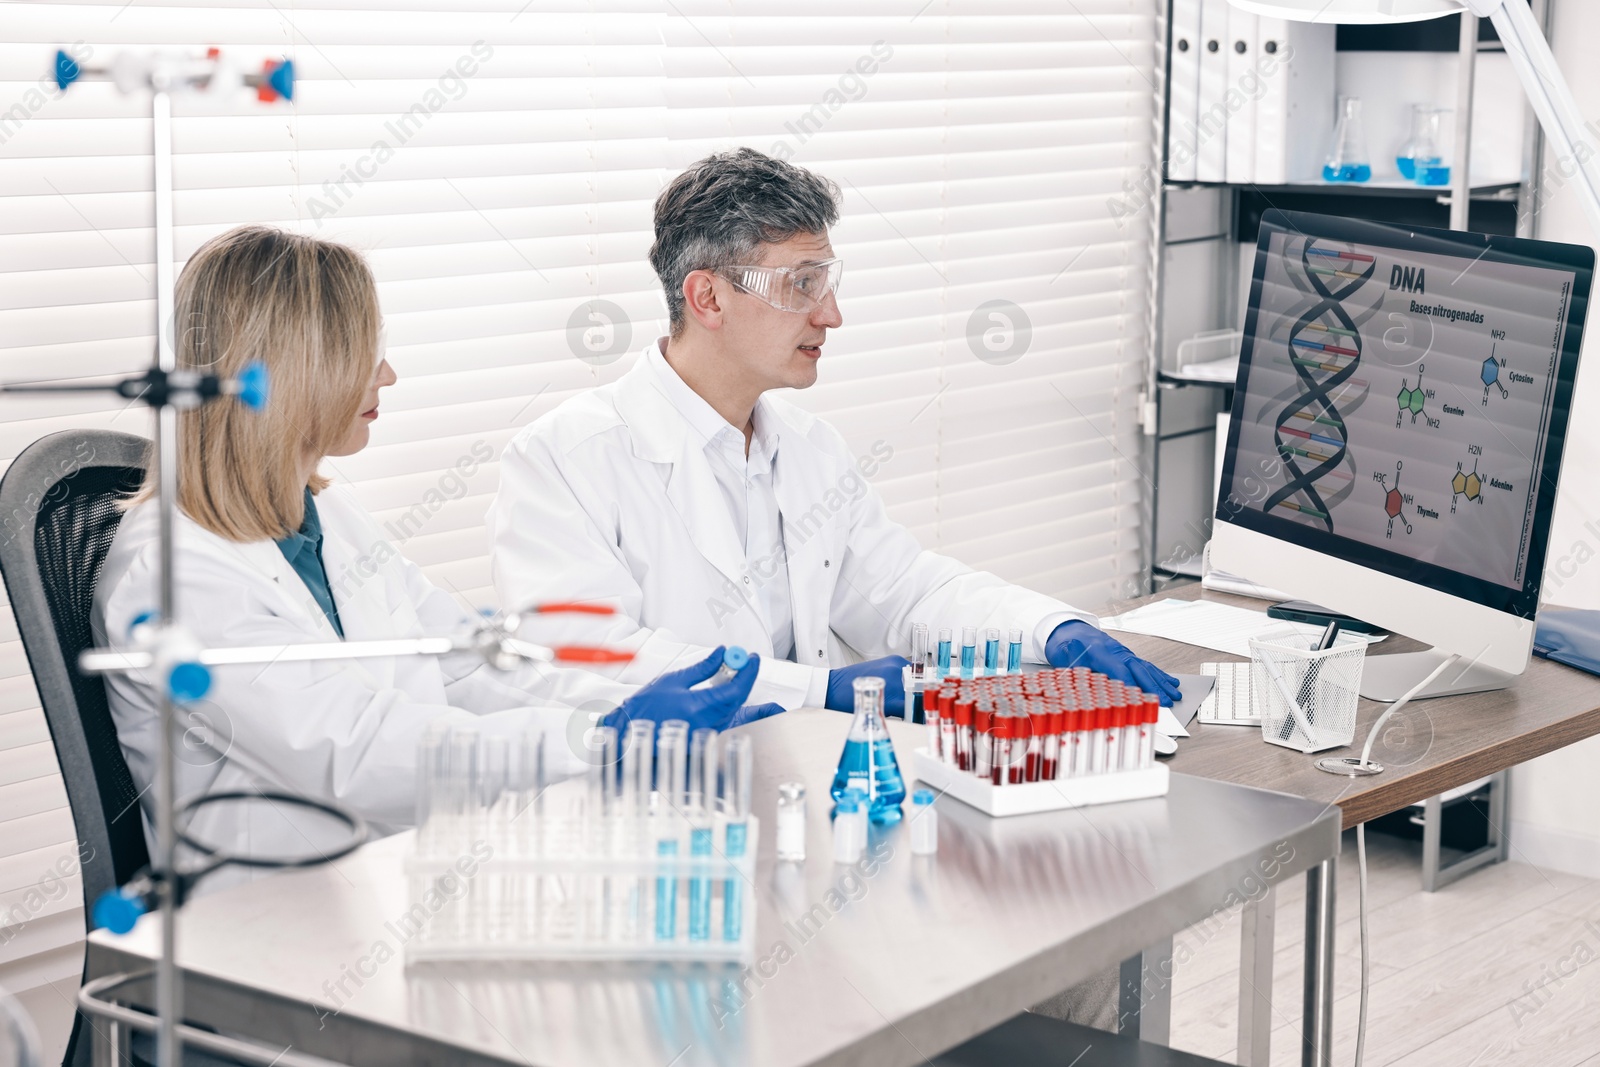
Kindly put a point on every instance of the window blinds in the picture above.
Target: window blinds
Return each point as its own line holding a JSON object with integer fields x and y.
{"x": 497, "y": 161}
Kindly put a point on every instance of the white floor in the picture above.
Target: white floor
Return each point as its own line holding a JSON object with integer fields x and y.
{"x": 1503, "y": 968}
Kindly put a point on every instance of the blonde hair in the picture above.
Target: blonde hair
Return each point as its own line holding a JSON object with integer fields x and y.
{"x": 308, "y": 309}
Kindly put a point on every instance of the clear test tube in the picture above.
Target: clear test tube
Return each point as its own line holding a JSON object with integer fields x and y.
{"x": 738, "y": 779}
{"x": 431, "y": 771}
{"x": 955, "y": 734}
{"x": 944, "y": 652}
{"x": 969, "y": 651}
{"x": 733, "y": 660}
{"x": 638, "y": 755}
{"x": 924, "y": 823}
{"x": 465, "y": 777}
{"x": 991, "y": 651}
{"x": 932, "y": 715}
{"x": 919, "y": 651}
{"x": 701, "y": 801}
{"x": 1014, "y": 651}
{"x": 672, "y": 754}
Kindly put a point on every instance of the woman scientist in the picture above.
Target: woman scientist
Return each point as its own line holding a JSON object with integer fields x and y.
{"x": 268, "y": 552}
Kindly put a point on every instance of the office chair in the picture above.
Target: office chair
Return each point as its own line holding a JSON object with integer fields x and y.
{"x": 58, "y": 515}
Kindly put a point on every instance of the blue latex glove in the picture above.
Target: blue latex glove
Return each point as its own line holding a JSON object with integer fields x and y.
{"x": 1077, "y": 644}
{"x": 752, "y": 712}
{"x": 672, "y": 696}
{"x": 841, "y": 684}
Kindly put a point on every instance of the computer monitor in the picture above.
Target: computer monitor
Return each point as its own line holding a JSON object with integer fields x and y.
{"x": 1396, "y": 435}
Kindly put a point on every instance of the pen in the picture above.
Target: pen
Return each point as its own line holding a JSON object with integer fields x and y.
{"x": 1308, "y": 683}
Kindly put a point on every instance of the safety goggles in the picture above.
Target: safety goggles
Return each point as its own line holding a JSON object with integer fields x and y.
{"x": 798, "y": 289}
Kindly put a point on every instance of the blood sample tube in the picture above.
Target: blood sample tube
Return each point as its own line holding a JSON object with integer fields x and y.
{"x": 1131, "y": 744}
{"x": 1147, "y": 736}
{"x": 964, "y": 733}
{"x": 1038, "y": 730}
{"x": 1050, "y": 758}
{"x": 969, "y": 650}
{"x": 1097, "y": 736}
{"x": 1082, "y": 740}
{"x": 931, "y": 716}
{"x": 980, "y": 747}
{"x": 944, "y": 652}
{"x": 1017, "y": 760}
{"x": 1000, "y": 731}
{"x": 1116, "y": 728}
{"x": 947, "y": 723}
{"x": 1014, "y": 651}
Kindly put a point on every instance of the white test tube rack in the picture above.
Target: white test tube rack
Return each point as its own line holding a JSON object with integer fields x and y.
{"x": 1029, "y": 798}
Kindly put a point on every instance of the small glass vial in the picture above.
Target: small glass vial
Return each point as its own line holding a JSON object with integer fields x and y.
{"x": 791, "y": 822}
{"x": 846, "y": 814}
{"x": 924, "y": 824}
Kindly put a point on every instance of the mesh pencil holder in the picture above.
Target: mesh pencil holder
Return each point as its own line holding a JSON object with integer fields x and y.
{"x": 1324, "y": 687}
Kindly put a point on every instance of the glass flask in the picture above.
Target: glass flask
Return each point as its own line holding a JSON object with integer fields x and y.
{"x": 1421, "y": 158}
{"x": 1348, "y": 161}
{"x": 868, "y": 762}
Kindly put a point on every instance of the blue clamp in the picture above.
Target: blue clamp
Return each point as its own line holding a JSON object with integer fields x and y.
{"x": 67, "y": 70}
{"x": 188, "y": 682}
{"x": 119, "y": 909}
{"x": 282, "y": 79}
{"x": 252, "y": 384}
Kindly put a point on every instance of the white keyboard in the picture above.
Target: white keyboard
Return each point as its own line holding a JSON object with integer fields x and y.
{"x": 1229, "y": 703}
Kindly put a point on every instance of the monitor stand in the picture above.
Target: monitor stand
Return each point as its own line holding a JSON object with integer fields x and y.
{"x": 1388, "y": 677}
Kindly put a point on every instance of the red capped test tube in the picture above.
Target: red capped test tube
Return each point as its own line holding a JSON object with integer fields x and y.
{"x": 1133, "y": 725}
{"x": 962, "y": 733}
{"x": 1097, "y": 734}
{"x": 1038, "y": 734}
{"x": 1000, "y": 733}
{"x": 1050, "y": 759}
{"x": 982, "y": 746}
{"x": 1021, "y": 739}
{"x": 1147, "y": 732}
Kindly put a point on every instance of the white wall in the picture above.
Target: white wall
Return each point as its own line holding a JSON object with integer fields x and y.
{"x": 1555, "y": 805}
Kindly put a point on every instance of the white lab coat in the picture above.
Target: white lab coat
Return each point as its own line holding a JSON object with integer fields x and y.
{"x": 610, "y": 498}
{"x": 346, "y": 730}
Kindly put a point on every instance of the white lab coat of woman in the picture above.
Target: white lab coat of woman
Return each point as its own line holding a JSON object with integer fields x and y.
{"x": 344, "y": 730}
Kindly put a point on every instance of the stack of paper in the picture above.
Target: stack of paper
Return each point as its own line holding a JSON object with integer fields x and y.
{"x": 1205, "y": 624}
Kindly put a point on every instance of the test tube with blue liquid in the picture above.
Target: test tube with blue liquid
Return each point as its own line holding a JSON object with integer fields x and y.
{"x": 944, "y": 652}
{"x": 969, "y": 650}
{"x": 991, "y": 651}
{"x": 672, "y": 758}
{"x": 738, "y": 773}
{"x": 702, "y": 799}
{"x": 1014, "y": 652}
{"x": 868, "y": 761}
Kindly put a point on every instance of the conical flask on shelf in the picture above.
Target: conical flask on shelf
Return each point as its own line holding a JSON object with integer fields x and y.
{"x": 1348, "y": 161}
{"x": 868, "y": 762}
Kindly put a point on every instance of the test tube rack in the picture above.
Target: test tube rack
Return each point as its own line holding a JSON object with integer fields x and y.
{"x": 563, "y": 885}
{"x": 1029, "y": 798}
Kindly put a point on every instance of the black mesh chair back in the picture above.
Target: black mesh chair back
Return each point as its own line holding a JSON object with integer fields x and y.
{"x": 58, "y": 514}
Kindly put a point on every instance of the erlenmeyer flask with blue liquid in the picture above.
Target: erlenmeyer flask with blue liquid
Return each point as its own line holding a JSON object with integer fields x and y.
{"x": 1348, "y": 161}
{"x": 868, "y": 762}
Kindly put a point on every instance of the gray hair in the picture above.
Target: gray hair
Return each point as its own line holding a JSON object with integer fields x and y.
{"x": 723, "y": 208}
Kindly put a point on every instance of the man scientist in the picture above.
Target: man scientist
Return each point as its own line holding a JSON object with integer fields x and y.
{"x": 712, "y": 512}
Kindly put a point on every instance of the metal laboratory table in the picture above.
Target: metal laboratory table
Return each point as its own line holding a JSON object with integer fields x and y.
{"x": 899, "y": 964}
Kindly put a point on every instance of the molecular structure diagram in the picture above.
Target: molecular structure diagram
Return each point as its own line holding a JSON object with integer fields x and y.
{"x": 1412, "y": 400}
{"x": 1490, "y": 375}
{"x": 1394, "y": 501}
{"x": 1467, "y": 485}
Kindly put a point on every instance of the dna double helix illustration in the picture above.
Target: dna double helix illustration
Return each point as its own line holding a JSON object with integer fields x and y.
{"x": 1311, "y": 427}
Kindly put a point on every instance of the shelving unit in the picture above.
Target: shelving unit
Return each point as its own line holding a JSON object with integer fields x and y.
{"x": 1205, "y": 244}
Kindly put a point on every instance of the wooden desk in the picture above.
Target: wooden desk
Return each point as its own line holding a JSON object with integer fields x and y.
{"x": 1430, "y": 746}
